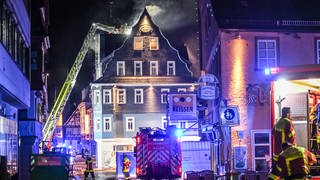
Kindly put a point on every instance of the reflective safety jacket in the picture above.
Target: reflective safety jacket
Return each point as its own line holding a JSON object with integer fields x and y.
{"x": 283, "y": 132}
{"x": 294, "y": 162}
{"x": 89, "y": 167}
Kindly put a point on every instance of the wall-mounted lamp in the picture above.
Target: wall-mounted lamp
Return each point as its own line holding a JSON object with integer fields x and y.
{"x": 237, "y": 35}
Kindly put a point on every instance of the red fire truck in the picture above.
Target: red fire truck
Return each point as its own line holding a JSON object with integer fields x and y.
{"x": 158, "y": 153}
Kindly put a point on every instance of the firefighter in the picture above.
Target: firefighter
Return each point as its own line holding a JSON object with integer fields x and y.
{"x": 294, "y": 162}
{"x": 89, "y": 168}
{"x": 315, "y": 130}
{"x": 126, "y": 163}
{"x": 282, "y": 132}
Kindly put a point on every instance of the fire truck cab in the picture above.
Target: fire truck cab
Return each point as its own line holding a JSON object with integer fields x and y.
{"x": 158, "y": 153}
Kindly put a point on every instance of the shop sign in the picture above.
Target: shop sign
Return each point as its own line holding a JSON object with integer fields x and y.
{"x": 208, "y": 92}
{"x": 182, "y": 106}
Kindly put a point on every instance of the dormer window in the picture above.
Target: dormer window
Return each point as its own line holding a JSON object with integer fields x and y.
{"x": 154, "y": 43}
{"x": 138, "y": 43}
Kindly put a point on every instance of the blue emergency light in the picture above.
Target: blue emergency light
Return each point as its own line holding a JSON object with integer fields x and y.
{"x": 178, "y": 132}
{"x": 267, "y": 71}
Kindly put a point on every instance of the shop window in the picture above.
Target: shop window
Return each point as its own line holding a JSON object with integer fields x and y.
{"x": 171, "y": 68}
{"x": 138, "y": 68}
{"x": 153, "y": 68}
{"x": 96, "y": 97}
{"x": 164, "y": 95}
{"x": 266, "y": 50}
{"x": 107, "y": 124}
{"x": 261, "y": 149}
{"x": 121, "y": 96}
{"x": 130, "y": 124}
{"x": 138, "y": 96}
{"x": 107, "y": 98}
{"x": 154, "y": 43}
{"x": 120, "y": 68}
{"x": 318, "y": 50}
{"x": 138, "y": 43}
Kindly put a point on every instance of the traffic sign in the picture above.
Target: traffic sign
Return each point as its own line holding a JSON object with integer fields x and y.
{"x": 229, "y": 116}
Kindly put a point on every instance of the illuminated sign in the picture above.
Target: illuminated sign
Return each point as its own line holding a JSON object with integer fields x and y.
{"x": 229, "y": 116}
{"x": 182, "y": 106}
{"x": 208, "y": 92}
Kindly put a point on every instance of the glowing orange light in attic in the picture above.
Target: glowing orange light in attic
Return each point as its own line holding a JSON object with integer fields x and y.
{"x": 59, "y": 122}
{"x": 145, "y": 25}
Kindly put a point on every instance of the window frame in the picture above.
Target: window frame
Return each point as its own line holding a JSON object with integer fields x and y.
{"x": 136, "y": 96}
{"x": 127, "y": 124}
{"x": 156, "y": 68}
{"x": 105, "y": 95}
{"x": 135, "y": 46}
{"x": 173, "y": 67}
{"x": 253, "y": 145}
{"x": 317, "y": 50}
{"x": 105, "y": 122}
{"x": 164, "y": 122}
{"x": 118, "y": 68}
{"x": 267, "y": 59}
{"x": 124, "y": 96}
{"x": 182, "y": 90}
{"x": 164, "y": 93}
{"x": 98, "y": 121}
{"x": 135, "y": 63}
{"x": 96, "y": 96}
{"x": 156, "y": 39}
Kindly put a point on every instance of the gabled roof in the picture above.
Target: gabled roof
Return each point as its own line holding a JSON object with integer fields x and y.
{"x": 143, "y": 27}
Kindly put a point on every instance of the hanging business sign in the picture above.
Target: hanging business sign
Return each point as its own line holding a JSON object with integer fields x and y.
{"x": 229, "y": 116}
{"x": 208, "y": 92}
{"x": 182, "y": 106}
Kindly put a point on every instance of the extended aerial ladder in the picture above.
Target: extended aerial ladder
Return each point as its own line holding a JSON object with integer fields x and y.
{"x": 67, "y": 86}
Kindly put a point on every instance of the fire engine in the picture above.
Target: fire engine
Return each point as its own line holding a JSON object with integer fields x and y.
{"x": 158, "y": 153}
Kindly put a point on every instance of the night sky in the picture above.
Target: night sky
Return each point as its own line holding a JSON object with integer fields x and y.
{"x": 70, "y": 20}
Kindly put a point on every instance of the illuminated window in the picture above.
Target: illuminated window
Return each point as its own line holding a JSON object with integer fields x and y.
{"x": 138, "y": 43}
{"x": 121, "y": 96}
{"x": 120, "y": 68}
{"x": 98, "y": 125}
{"x": 164, "y": 94}
{"x": 164, "y": 122}
{"x": 107, "y": 124}
{"x": 266, "y": 53}
{"x": 261, "y": 148}
{"x": 153, "y": 68}
{"x": 138, "y": 96}
{"x": 318, "y": 51}
{"x": 154, "y": 44}
{"x": 107, "y": 96}
{"x": 182, "y": 90}
{"x": 130, "y": 123}
{"x": 138, "y": 68}
{"x": 171, "y": 68}
{"x": 96, "y": 97}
